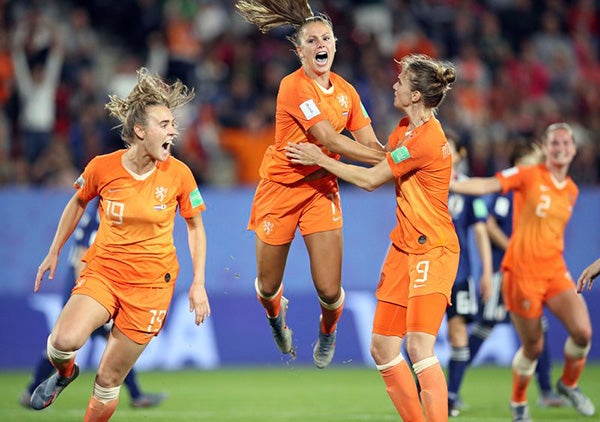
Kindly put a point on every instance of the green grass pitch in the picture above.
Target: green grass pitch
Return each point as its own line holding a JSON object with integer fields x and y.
{"x": 285, "y": 393}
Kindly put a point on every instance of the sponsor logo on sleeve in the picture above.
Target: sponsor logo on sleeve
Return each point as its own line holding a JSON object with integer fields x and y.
{"x": 364, "y": 110}
{"x": 400, "y": 154}
{"x": 510, "y": 172}
{"x": 80, "y": 182}
{"x": 310, "y": 109}
{"x": 195, "y": 198}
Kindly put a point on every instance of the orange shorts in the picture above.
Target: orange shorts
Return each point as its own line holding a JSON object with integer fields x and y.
{"x": 424, "y": 314}
{"x": 526, "y": 296}
{"x": 139, "y": 312}
{"x": 311, "y": 206}
{"x": 405, "y": 275}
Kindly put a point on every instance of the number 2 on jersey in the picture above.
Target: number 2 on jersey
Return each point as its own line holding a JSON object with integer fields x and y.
{"x": 543, "y": 206}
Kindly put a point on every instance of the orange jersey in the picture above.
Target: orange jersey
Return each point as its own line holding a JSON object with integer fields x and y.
{"x": 422, "y": 164}
{"x": 301, "y": 103}
{"x": 542, "y": 209}
{"x": 134, "y": 243}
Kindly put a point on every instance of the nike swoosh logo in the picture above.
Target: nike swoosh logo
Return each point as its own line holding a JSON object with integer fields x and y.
{"x": 416, "y": 286}
{"x": 337, "y": 218}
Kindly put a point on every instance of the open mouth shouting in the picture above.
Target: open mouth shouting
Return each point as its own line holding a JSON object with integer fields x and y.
{"x": 321, "y": 58}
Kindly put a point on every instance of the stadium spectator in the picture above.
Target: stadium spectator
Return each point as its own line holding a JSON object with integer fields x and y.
{"x": 468, "y": 213}
{"x": 132, "y": 266}
{"x": 314, "y": 105}
{"x": 492, "y": 311}
{"x": 37, "y": 77}
{"x": 588, "y": 275}
{"x": 84, "y": 236}
{"x": 535, "y": 272}
{"x": 418, "y": 272}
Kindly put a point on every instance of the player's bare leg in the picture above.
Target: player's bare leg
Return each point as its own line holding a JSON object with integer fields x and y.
{"x": 325, "y": 253}
{"x": 270, "y": 263}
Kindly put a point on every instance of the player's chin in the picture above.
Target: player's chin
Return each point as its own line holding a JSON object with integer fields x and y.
{"x": 164, "y": 153}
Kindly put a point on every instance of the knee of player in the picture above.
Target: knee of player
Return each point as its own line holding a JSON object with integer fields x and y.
{"x": 579, "y": 340}
{"x": 533, "y": 349}
{"x": 67, "y": 341}
{"x": 418, "y": 350}
{"x": 378, "y": 354}
{"x": 109, "y": 377}
{"x": 383, "y": 351}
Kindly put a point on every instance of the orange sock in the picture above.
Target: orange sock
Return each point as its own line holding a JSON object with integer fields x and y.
{"x": 330, "y": 318}
{"x": 272, "y": 304}
{"x": 98, "y": 411}
{"x": 401, "y": 387}
{"x": 520, "y": 384}
{"x": 331, "y": 313}
{"x": 434, "y": 392}
{"x": 572, "y": 370}
{"x": 65, "y": 368}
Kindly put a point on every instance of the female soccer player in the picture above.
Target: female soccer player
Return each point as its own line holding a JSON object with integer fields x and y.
{"x": 419, "y": 270}
{"x": 314, "y": 105}
{"x": 535, "y": 272}
{"x": 131, "y": 266}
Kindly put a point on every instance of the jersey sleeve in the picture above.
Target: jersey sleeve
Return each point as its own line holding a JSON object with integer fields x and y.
{"x": 87, "y": 183}
{"x": 300, "y": 101}
{"x": 190, "y": 199}
{"x": 512, "y": 178}
{"x": 409, "y": 156}
{"x": 359, "y": 117}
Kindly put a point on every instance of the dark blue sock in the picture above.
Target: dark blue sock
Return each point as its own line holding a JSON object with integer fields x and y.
{"x": 132, "y": 385}
{"x": 543, "y": 368}
{"x": 457, "y": 366}
{"x": 43, "y": 370}
{"x": 479, "y": 333}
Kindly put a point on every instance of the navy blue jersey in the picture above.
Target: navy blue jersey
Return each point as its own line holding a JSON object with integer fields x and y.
{"x": 466, "y": 210}
{"x": 500, "y": 207}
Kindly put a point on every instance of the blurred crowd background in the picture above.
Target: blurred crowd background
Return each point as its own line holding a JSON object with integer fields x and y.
{"x": 522, "y": 64}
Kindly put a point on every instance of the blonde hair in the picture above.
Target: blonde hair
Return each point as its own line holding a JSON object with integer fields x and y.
{"x": 270, "y": 14}
{"x": 150, "y": 90}
{"x": 558, "y": 126}
{"x": 432, "y": 78}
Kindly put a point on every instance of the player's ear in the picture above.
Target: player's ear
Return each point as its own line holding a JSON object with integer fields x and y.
{"x": 139, "y": 132}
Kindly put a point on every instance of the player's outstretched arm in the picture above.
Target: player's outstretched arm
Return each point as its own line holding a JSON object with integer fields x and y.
{"x": 476, "y": 186}
{"x": 365, "y": 178}
{"x": 68, "y": 222}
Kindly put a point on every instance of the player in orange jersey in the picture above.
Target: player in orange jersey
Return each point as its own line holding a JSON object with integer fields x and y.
{"x": 131, "y": 265}
{"x": 535, "y": 272}
{"x": 314, "y": 105}
{"x": 588, "y": 275}
{"x": 419, "y": 270}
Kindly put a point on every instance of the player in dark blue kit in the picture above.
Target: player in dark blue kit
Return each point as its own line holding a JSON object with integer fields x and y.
{"x": 468, "y": 212}
{"x": 84, "y": 236}
{"x": 492, "y": 311}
